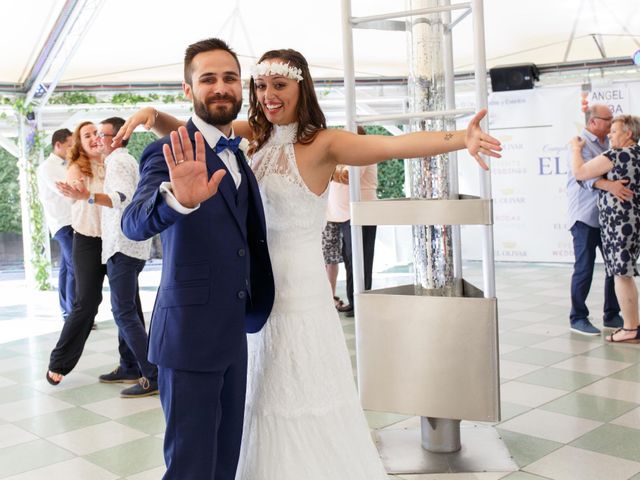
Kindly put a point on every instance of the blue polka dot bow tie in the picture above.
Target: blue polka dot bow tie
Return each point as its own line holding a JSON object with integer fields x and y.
{"x": 224, "y": 143}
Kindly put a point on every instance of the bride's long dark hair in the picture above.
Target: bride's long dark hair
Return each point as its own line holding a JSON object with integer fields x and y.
{"x": 308, "y": 112}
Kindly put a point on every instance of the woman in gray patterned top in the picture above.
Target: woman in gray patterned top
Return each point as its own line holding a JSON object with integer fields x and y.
{"x": 619, "y": 220}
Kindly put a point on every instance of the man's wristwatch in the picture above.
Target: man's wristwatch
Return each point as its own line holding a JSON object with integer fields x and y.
{"x": 92, "y": 198}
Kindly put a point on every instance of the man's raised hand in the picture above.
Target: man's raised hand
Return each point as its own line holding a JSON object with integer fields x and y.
{"x": 190, "y": 181}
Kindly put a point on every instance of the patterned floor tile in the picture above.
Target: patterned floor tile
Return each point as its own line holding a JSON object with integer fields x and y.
{"x": 84, "y": 441}
{"x": 153, "y": 474}
{"x": 96, "y": 360}
{"x": 453, "y": 476}
{"x": 504, "y": 348}
{"x": 558, "y": 378}
{"x": 567, "y": 345}
{"x": 613, "y": 388}
{"x": 509, "y": 410}
{"x": 536, "y": 356}
{"x": 11, "y": 435}
{"x": 589, "y": 406}
{"x": 526, "y": 449}
{"x": 130, "y": 458}
{"x": 529, "y": 395}
{"x": 632, "y": 374}
{"x": 533, "y": 306}
{"x": 597, "y": 366}
{"x": 15, "y": 393}
{"x": 31, "y": 407}
{"x": 569, "y": 463}
{"x": 621, "y": 353}
{"x": 545, "y": 329}
{"x": 60, "y": 421}
{"x": 614, "y": 440}
{"x": 150, "y": 422}
{"x": 77, "y": 468}
{"x": 29, "y": 456}
{"x": 527, "y": 316}
{"x": 72, "y": 381}
{"x": 550, "y": 425}
{"x": 90, "y": 393}
{"x": 630, "y": 419}
{"x": 522, "y": 339}
{"x": 523, "y": 476}
{"x": 123, "y": 407}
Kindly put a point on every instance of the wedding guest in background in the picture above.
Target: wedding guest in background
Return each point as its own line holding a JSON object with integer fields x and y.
{"x": 57, "y": 212}
{"x": 619, "y": 217}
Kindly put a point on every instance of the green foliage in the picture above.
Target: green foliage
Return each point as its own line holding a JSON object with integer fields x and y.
{"x": 128, "y": 98}
{"x": 120, "y": 98}
{"x": 390, "y": 173}
{"x": 391, "y": 179}
{"x": 73, "y": 98}
{"x": 39, "y": 233}
{"x": 10, "y": 220}
{"x": 138, "y": 142}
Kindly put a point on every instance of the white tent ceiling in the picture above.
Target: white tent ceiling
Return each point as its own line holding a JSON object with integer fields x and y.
{"x": 143, "y": 41}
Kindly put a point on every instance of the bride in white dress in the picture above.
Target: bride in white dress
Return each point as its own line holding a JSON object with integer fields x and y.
{"x": 303, "y": 417}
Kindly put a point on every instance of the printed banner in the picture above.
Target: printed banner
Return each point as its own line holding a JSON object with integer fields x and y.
{"x": 529, "y": 181}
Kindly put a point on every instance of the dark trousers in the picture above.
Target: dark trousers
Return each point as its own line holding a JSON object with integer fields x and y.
{"x": 123, "y": 272}
{"x": 368, "y": 246}
{"x": 66, "y": 277}
{"x": 586, "y": 240}
{"x": 89, "y": 273}
{"x": 204, "y": 412}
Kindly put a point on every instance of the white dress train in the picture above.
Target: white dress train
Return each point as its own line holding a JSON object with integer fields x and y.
{"x": 303, "y": 416}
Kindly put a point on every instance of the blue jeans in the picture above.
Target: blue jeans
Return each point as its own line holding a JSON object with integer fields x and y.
{"x": 66, "y": 277}
{"x": 122, "y": 272}
{"x": 586, "y": 240}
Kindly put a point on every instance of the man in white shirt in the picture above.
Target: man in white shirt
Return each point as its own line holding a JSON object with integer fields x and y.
{"x": 57, "y": 211}
{"x": 125, "y": 260}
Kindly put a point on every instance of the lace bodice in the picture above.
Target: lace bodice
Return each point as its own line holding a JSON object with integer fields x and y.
{"x": 290, "y": 207}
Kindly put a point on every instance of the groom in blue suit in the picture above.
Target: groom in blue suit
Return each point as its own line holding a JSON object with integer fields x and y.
{"x": 216, "y": 281}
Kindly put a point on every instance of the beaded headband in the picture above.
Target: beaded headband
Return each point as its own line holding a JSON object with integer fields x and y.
{"x": 276, "y": 68}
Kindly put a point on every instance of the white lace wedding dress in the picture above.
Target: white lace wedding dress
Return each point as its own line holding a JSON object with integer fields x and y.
{"x": 303, "y": 416}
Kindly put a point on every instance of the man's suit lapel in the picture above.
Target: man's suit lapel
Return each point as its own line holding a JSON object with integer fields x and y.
{"x": 252, "y": 183}
{"x": 227, "y": 186}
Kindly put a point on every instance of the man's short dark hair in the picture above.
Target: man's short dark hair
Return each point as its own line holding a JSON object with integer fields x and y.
{"x": 60, "y": 136}
{"x": 116, "y": 123}
{"x": 207, "y": 45}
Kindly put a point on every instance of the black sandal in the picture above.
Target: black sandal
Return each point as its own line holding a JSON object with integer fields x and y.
{"x": 636, "y": 339}
{"x": 51, "y": 380}
{"x": 337, "y": 302}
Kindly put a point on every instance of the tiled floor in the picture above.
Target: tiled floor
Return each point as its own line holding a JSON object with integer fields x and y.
{"x": 570, "y": 404}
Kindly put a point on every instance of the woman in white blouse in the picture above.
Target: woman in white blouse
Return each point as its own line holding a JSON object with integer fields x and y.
{"x": 86, "y": 168}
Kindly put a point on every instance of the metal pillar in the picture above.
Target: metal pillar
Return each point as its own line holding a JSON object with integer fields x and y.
{"x": 23, "y": 161}
{"x": 432, "y": 245}
{"x": 430, "y": 349}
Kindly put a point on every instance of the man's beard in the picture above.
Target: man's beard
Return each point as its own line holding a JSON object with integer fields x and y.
{"x": 218, "y": 116}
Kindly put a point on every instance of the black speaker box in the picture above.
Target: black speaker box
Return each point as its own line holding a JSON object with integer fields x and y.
{"x": 513, "y": 77}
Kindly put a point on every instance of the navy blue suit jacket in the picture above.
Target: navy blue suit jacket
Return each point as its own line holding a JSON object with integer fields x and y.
{"x": 216, "y": 280}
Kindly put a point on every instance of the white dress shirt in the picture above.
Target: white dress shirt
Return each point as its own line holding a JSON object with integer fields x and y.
{"x": 211, "y": 135}
{"x": 57, "y": 207}
{"x": 120, "y": 182}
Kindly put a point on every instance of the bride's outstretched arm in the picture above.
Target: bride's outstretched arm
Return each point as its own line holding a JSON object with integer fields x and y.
{"x": 350, "y": 149}
{"x": 161, "y": 123}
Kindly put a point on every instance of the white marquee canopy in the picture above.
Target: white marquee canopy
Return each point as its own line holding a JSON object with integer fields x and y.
{"x": 143, "y": 40}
